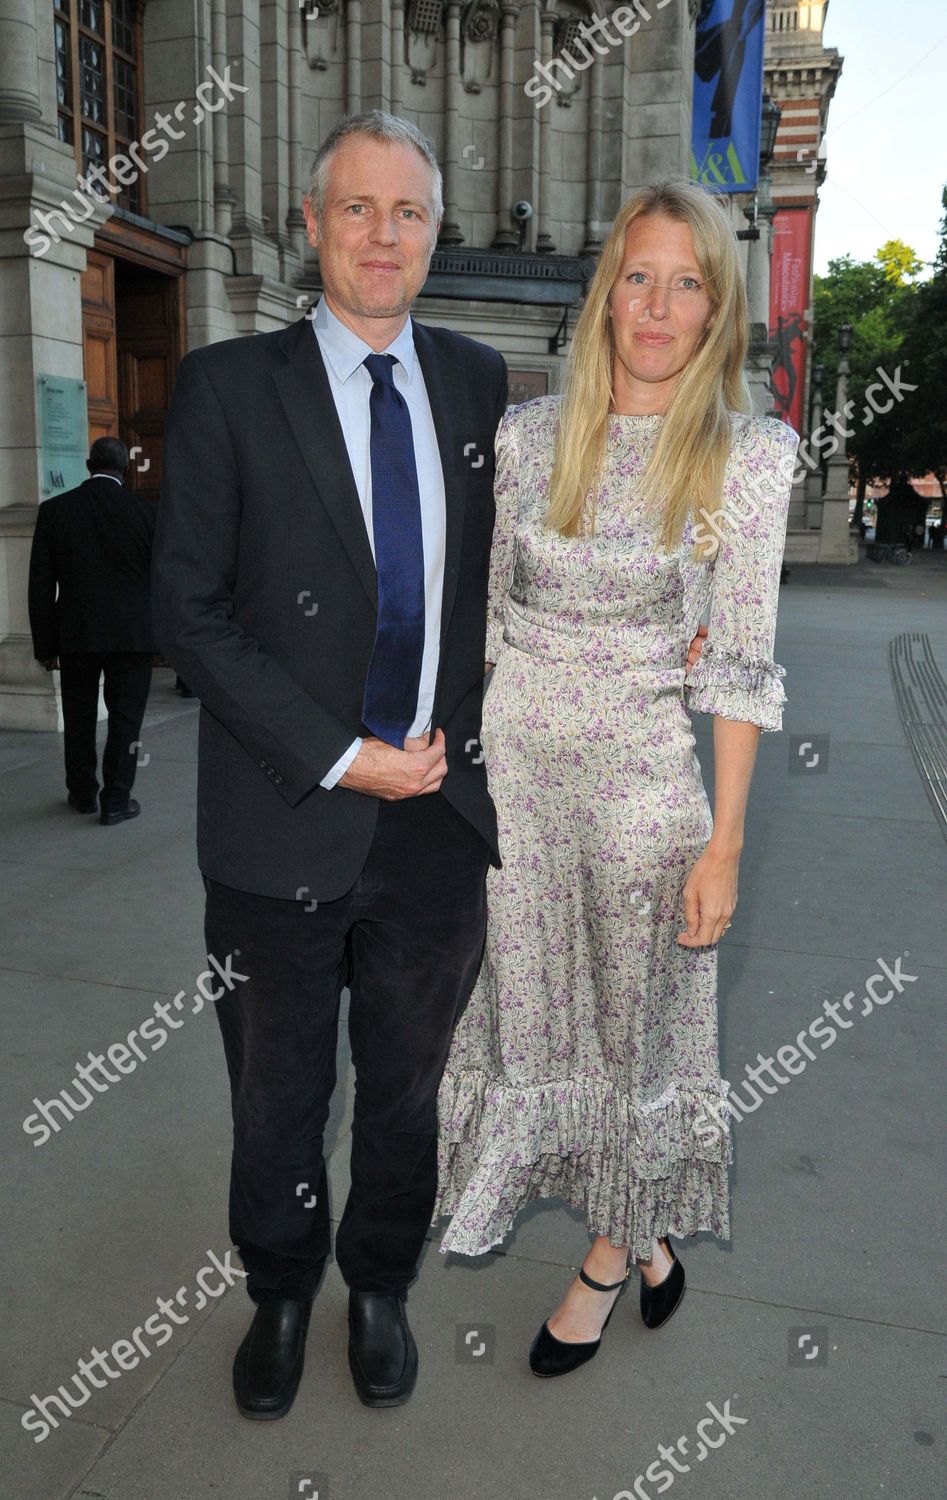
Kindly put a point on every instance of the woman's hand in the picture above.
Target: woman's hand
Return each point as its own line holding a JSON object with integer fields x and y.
{"x": 710, "y": 896}
{"x": 695, "y": 648}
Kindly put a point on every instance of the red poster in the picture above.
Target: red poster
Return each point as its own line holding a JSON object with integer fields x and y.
{"x": 788, "y": 302}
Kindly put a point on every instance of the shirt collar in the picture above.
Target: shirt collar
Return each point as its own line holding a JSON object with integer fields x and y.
{"x": 345, "y": 351}
{"x": 105, "y": 476}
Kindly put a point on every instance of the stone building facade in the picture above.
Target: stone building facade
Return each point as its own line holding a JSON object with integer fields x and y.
{"x": 801, "y": 74}
{"x": 545, "y": 115}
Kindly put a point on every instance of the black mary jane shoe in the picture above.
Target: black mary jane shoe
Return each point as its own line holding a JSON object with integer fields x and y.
{"x": 551, "y": 1356}
{"x": 269, "y": 1363}
{"x": 383, "y": 1356}
{"x": 659, "y": 1302}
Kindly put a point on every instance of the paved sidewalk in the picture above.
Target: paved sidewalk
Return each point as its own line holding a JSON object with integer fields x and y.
{"x": 817, "y": 1330}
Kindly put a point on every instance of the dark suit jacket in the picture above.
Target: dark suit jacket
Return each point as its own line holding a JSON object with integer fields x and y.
{"x": 265, "y": 599}
{"x": 93, "y": 544}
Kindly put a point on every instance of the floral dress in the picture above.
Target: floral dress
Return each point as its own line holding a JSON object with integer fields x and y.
{"x": 585, "y": 1066}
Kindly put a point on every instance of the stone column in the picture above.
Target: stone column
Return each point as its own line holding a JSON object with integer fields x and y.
{"x": 815, "y": 479}
{"x": 835, "y": 544}
{"x": 223, "y": 197}
{"x": 506, "y": 237}
{"x": 453, "y": 100}
{"x": 593, "y": 163}
{"x": 40, "y": 334}
{"x": 19, "y": 73}
{"x": 397, "y": 55}
{"x": 658, "y": 97}
{"x": 295, "y": 222}
{"x": 759, "y": 257}
{"x": 353, "y": 57}
{"x": 255, "y": 251}
{"x": 543, "y": 205}
{"x": 40, "y": 326}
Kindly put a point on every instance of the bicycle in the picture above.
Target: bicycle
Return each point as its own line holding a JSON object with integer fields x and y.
{"x": 893, "y": 552}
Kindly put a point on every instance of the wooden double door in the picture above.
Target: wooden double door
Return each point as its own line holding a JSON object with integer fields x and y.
{"x": 133, "y": 331}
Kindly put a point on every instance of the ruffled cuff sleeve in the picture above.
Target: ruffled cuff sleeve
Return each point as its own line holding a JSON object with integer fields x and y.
{"x": 736, "y": 688}
{"x": 736, "y": 676}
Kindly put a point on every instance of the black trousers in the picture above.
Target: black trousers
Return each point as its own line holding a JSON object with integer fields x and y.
{"x": 407, "y": 939}
{"x": 127, "y": 677}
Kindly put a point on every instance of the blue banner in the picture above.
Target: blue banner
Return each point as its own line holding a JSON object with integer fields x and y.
{"x": 728, "y": 95}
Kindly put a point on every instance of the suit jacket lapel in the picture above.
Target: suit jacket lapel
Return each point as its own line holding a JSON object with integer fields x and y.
{"x": 446, "y": 384}
{"x": 304, "y": 390}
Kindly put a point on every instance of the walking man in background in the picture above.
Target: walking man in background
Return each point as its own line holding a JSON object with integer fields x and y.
{"x": 90, "y": 616}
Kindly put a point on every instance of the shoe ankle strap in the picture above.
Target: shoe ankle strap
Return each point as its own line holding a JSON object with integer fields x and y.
{"x": 598, "y": 1286}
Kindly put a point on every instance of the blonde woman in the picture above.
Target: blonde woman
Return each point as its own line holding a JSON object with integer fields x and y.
{"x": 586, "y": 1064}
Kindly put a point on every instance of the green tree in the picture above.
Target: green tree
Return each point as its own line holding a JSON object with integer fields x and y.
{"x": 925, "y": 346}
{"x": 876, "y": 298}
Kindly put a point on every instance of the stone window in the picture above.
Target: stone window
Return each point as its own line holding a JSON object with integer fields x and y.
{"x": 98, "y": 83}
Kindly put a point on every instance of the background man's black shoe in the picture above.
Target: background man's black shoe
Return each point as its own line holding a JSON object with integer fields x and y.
{"x": 121, "y": 814}
{"x": 269, "y": 1363}
{"x": 383, "y": 1356}
{"x": 80, "y": 805}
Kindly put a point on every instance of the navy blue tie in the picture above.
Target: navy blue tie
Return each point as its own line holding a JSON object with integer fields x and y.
{"x": 394, "y": 672}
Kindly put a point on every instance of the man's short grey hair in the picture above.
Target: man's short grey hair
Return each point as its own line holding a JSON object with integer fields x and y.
{"x": 379, "y": 126}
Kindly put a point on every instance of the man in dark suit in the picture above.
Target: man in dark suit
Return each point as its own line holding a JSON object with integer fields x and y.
{"x": 320, "y": 581}
{"x": 90, "y": 615}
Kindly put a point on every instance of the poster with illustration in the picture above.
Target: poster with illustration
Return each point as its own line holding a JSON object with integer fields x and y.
{"x": 728, "y": 95}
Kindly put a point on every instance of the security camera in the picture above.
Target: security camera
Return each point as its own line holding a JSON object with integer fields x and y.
{"x": 522, "y": 211}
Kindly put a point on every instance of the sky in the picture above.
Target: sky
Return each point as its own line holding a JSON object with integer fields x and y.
{"x": 886, "y": 143}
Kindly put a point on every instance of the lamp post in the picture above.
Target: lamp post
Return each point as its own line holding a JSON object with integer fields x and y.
{"x": 815, "y": 478}
{"x": 769, "y": 129}
{"x": 835, "y": 543}
{"x": 760, "y": 215}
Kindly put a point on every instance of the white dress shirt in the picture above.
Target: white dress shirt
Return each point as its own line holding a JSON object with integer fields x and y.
{"x": 343, "y": 354}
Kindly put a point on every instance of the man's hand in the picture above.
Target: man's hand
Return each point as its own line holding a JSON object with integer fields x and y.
{"x": 379, "y": 770}
{"x": 695, "y": 648}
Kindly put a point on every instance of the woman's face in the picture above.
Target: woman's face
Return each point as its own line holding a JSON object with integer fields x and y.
{"x": 659, "y": 311}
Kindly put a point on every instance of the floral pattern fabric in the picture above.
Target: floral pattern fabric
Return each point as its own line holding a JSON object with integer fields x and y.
{"x": 586, "y": 1065}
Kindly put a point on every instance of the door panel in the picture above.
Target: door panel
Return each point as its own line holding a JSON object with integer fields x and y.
{"x": 148, "y": 322}
{"x": 99, "y": 353}
{"x": 132, "y": 320}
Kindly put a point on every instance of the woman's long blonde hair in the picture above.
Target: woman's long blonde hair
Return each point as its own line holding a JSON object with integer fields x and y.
{"x": 685, "y": 472}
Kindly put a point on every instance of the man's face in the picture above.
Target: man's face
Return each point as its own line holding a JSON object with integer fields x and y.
{"x": 377, "y": 229}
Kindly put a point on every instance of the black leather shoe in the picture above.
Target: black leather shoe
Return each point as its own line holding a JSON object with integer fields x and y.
{"x": 269, "y": 1363}
{"x": 121, "y": 814}
{"x": 383, "y": 1356}
{"x": 659, "y": 1302}
{"x": 551, "y": 1356}
{"x": 80, "y": 805}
